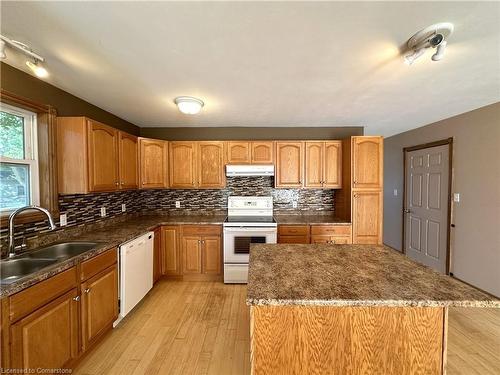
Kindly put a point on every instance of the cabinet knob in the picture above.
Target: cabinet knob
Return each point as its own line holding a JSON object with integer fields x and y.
{"x": 77, "y": 298}
{"x": 87, "y": 290}
{"x": 116, "y": 183}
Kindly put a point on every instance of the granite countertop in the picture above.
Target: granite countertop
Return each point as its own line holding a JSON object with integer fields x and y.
{"x": 108, "y": 236}
{"x": 351, "y": 275}
{"x": 310, "y": 218}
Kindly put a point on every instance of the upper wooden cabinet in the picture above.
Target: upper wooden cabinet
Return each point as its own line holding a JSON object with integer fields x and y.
{"x": 128, "y": 163}
{"x": 197, "y": 165}
{"x": 153, "y": 161}
{"x": 94, "y": 157}
{"x": 239, "y": 152}
{"x": 367, "y": 162}
{"x": 211, "y": 165}
{"x": 323, "y": 167}
{"x": 262, "y": 152}
{"x": 289, "y": 164}
{"x": 252, "y": 152}
{"x": 182, "y": 162}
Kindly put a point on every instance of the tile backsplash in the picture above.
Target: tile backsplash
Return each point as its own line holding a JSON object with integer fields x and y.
{"x": 82, "y": 209}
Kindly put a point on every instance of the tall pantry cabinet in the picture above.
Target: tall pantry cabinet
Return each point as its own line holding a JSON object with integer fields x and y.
{"x": 360, "y": 200}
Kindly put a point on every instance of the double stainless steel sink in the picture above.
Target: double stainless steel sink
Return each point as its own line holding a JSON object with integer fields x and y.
{"x": 25, "y": 264}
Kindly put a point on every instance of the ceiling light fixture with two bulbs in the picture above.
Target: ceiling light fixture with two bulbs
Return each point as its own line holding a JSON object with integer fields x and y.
{"x": 434, "y": 36}
{"x": 34, "y": 61}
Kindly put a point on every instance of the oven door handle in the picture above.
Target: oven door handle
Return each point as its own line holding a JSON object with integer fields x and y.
{"x": 253, "y": 229}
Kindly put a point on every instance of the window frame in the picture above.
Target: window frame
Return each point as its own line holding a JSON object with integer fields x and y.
{"x": 30, "y": 159}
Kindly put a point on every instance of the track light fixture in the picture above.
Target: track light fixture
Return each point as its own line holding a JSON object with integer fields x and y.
{"x": 433, "y": 36}
{"x": 34, "y": 60}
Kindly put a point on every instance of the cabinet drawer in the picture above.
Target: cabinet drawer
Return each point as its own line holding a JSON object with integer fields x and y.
{"x": 36, "y": 296}
{"x": 201, "y": 230}
{"x": 293, "y": 230}
{"x": 293, "y": 239}
{"x": 331, "y": 230}
{"x": 97, "y": 264}
{"x": 339, "y": 240}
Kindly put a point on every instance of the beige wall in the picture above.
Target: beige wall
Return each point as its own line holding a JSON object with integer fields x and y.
{"x": 22, "y": 84}
{"x": 475, "y": 256}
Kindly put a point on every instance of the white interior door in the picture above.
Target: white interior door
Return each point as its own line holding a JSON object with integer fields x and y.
{"x": 426, "y": 206}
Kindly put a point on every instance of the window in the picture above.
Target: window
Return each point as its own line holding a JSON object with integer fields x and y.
{"x": 19, "y": 185}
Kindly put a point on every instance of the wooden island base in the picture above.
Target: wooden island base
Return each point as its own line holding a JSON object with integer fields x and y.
{"x": 348, "y": 340}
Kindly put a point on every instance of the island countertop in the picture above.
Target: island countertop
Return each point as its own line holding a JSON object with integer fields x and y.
{"x": 351, "y": 275}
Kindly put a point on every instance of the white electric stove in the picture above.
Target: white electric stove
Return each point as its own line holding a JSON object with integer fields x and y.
{"x": 249, "y": 220}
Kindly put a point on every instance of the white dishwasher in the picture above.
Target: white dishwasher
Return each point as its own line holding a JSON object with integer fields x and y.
{"x": 136, "y": 272}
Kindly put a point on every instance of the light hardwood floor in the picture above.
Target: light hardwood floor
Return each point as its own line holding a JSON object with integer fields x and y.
{"x": 203, "y": 328}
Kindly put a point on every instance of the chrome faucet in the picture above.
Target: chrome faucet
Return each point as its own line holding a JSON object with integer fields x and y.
{"x": 12, "y": 216}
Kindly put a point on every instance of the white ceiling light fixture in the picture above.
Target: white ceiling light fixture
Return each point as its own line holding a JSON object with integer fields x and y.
{"x": 433, "y": 36}
{"x": 34, "y": 65}
{"x": 189, "y": 105}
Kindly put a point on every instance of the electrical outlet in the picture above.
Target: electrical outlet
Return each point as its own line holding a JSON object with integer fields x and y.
{"x": 395, "y": 192}
{"x": 103, "y": 211}
{"x": 124, "y": 207}
{"x": 294, "y": 204}
{"x": 177, "y": 204}
{"x": 456, "y": 197}
{"x": 63, "y": 220}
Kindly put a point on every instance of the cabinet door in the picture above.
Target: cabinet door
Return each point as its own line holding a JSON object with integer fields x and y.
{"x": 47, "y": 338}
{"x": 170, "y": 255}
{"x": 367, "y": 164}
{"x": 153, "y": 156}
{"x": 332, "y": 170}
{"x": 367, "y": 217}
{"x": 182, "y": 164}
{"x": 314, "y": 164}
{"x": 238, "y": 152}
{"x": 293, "y": 239}
{"x": 262, "y": 152}
{"x": 211, "y": 256}
{"x": 157, "y": 255}
{"x": 191, "y": 254}
{"x": 211, "y": 165}
{"x": 129, "y": 171}
{"x": 331, "y": 240}
{"x": 289, "y": 164}
{"x": 103, "y": 157}
{"x": 99, "y": 304}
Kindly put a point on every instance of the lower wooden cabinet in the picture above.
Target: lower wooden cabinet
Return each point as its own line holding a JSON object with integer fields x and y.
{"x": 211, "y": 259}
{"x": 201, "y": 250}
{"x": 99, "y": 304}
{"x": 331, "y": 240}
{"x": 170, "y": 252}
{"x": 293, "y": 234}
{"x": 315, "y": 234}
{"x": 191, "y": 254}
{"x": 157, "y": 255}
{"x": 48, "y": 337}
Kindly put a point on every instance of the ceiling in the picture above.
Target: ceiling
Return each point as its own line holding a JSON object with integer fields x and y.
{"x": 264, "y": 64}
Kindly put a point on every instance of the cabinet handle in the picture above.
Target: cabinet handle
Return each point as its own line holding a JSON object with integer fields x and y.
{"x": 77, "y": 298}
{"x": 87, "y": 290}
{"x": 116, "y": 183}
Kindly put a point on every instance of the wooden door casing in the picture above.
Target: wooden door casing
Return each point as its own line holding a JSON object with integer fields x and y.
{"x": 99, "y": 304}
{"x": 262, "y": 152}
{"x": 289, "y": 164}
{"x": 238, "y": 152}
{"x": 48, "y": 337}
{"x": 191, "y": 254}
{"x": 367, "y": 162}
{"x": 332, "y": 167}
{"x": 170, "y": 254}
{"x": 367, "y": 210}
{"x": 102, "y": 157}
{"x": 182, "y": 161}
{"x": 211, "y": 256}
{"x": 314, "y": 164}
{"x": 128, "y": 163}
{"x": 153, "y": 160}
{"x": 211, "y": 165}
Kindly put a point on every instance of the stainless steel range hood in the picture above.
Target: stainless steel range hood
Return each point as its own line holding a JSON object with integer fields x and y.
{"x": 243, "y": 170}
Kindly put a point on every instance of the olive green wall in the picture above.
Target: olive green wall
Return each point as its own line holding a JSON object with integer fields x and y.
{"x": 22, "y": 84}
{"x": 236, "y": 133}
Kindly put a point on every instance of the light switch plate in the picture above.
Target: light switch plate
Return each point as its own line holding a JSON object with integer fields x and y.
{"x": 294, "y": 204}
{"x": 63, "y": 220}
{"x": 103, "y": 211}
{"x": 124, "y": 207}
{"x": 177, "y": 204}
{"x": 395, "y": 192}
{"x": 456, "y": 197}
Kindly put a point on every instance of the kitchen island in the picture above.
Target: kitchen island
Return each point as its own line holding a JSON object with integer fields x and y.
{"x": 349, "y": 309}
